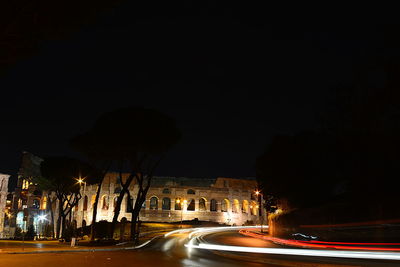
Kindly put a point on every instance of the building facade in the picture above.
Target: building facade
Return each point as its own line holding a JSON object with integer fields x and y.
{"x": 4, "y": 215}
{"x": 170, "y": 199}
{"x": 229, "y": 201}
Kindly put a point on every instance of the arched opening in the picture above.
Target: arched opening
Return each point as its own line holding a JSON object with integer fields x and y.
{"x": 225, "y": 205}
{"x": 202, "y": 204}
{"x": 191, "y": 192}
{"x": 104, "y": 201}
{"x": 166, "y": 203}
{"x": 92, "y": 201}
{"x": 129, "y": 204}
{"x": 191, "y": 205}
{"x": 213, "y": 205}
{"x": 253, "y": 208}
{"x": 178, "y": 204}
{"x": 44, "y": 203}
{"x": 153, "y": 203}
{"x": 85, "y": 203}
{"x": 235, "y": 206}
{"x": 245, "y": 206}
{"x": 115, "y": 202}
{"x": 166, "y": 191}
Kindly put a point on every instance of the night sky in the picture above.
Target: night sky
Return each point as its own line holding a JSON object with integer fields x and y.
{"x": 232, "y": 77}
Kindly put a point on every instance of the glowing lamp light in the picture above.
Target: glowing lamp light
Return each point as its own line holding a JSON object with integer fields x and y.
{"x": 257, "y": 192}
{"x": 42, "y": 218}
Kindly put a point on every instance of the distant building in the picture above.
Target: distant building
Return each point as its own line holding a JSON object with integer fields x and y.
{"x": 26, "y": 202}
{"x": 4, "y": 214}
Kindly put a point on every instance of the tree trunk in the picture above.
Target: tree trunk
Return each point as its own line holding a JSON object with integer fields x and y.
{"x": 50, "y": 208}
{"x": 117, "y": 210}
{"x": 134, "y": 229}
{"x": 135, "y": 219}
{"x": 96, "y": 201}
{"x": 63, "y": 219}
{"x": 60, "y": 213}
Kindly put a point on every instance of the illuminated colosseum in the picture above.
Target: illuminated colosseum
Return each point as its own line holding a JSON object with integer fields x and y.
{"x": 223, "y": 200}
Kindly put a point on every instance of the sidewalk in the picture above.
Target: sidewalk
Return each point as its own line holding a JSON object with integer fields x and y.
{"x": 31, "y": 247}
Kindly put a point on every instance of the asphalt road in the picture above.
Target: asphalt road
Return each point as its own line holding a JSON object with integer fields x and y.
{"x": 172, "y": 252}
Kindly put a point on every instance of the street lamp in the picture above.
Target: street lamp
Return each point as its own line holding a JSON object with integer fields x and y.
{"x": 182, "y": 207}
{"x": 259, "y": 206}
{"x": 80, "y": 182}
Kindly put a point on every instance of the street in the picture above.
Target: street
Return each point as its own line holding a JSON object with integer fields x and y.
{"x": 171, "y": 251}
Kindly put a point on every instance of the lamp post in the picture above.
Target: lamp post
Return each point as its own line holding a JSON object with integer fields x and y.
{"x": 182, "y": 207}
{"x": 82, "y": 181}
{"x": 258, "y": 194}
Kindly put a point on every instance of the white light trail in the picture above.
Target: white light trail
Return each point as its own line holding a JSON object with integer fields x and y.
{"x": 302, "y": 252}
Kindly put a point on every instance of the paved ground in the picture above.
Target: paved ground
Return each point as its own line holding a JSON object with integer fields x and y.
{"x": 171, "y": 252}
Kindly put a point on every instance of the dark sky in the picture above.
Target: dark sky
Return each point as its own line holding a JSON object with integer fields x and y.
{"x": 232, "y": 77}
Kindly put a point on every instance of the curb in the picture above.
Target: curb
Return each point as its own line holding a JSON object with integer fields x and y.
{"x": 80, "y": 250}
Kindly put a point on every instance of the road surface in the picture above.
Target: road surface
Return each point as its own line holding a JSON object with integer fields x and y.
{"x": 171, "y": 251}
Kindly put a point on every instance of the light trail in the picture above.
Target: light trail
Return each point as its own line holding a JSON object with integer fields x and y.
{"x": 211, "y": 229}
{"x": 305, "y": 244}
{"x": 301, "y": 252}
{"x": 350, "y": 243}
{"x": 200, "y": 232}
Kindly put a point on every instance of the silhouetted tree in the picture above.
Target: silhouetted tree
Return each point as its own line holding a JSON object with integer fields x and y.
{"x": 134, "y": 140}
{"x": 354, "y": 154}
{"x": 59, "y": 175}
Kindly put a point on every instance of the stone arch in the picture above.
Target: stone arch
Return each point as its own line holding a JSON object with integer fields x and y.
{"x": 202, "y": 204}
{"x": 104, "y": 202}
{"x": 235, "y": 206}
{"x": 166, "y": 203}
{"x": 191, "y": 205}
{"x": 225, "y": 205}
{"x": 253, "y": 208}
{"x": 115, "y": 202}
{"x": 93, "y": 199}
{"x": 154, "y": 203}
{"x": 129, "y": 203}
{"x": 213, "y": 205}
{"x": 85, "y": 203}
{"x": 245, "y": 206}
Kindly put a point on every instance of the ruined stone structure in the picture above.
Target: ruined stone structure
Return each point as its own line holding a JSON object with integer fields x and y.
{"x": 228, "y": 201}
{"x": 170, "y": 199}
